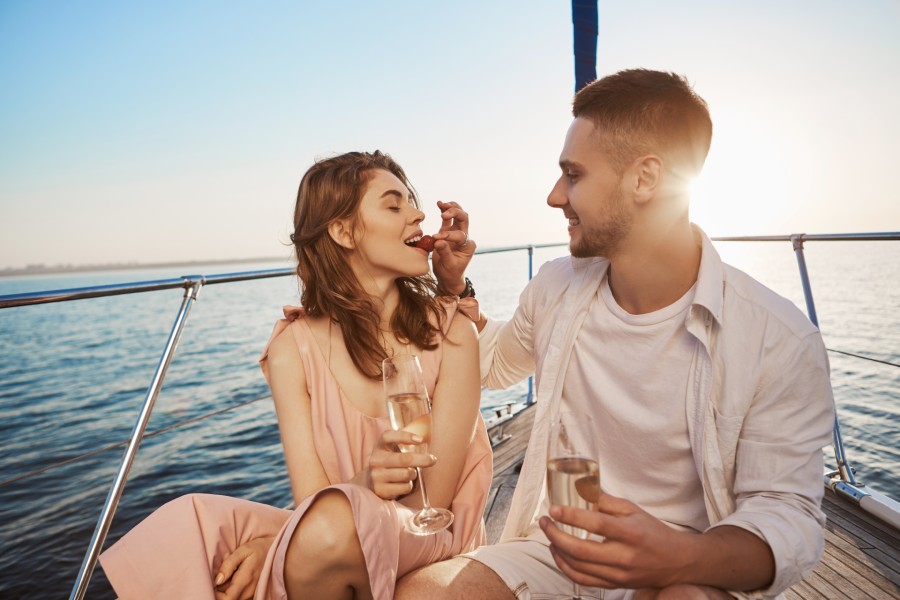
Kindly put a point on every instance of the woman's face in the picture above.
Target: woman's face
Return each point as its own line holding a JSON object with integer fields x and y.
{"x": 386, "y": 220}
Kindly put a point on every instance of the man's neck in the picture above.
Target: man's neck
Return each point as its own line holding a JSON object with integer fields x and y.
{"x": 653, "y": 272}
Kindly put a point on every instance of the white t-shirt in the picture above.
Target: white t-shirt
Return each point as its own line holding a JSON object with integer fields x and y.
{"x": 631, "y": 373}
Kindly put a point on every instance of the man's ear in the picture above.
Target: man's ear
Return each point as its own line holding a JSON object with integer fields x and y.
{"x": 647, "y": 177}
{"x": 341, "y": 232}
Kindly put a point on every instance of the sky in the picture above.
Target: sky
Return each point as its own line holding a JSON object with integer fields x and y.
{"x": 178, "y": 131}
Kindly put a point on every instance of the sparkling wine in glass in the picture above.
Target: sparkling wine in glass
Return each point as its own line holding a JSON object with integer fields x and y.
{"x": 409, "y": 410}
{"x": 573, "y": 475}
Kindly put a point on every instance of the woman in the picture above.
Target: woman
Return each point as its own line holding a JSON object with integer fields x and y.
{"x": 366, "y": 295}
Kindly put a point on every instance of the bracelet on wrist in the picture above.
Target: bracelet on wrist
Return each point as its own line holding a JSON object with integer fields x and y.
{"x": 468, "y": 291}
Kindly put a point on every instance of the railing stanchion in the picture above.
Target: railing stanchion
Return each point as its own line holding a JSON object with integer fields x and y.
{"x": 192, "y": 289}
{"x": 837, "y": 442}
{"x": 797, "y": 242}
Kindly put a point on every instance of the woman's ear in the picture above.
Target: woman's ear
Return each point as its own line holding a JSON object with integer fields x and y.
{"x": 341, "y": 231}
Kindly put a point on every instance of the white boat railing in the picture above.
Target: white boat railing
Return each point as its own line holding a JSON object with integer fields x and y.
{"x": 841, "y": 481}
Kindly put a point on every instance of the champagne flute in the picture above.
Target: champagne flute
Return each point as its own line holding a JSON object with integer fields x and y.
{"x": 573, "y": 474}
{"x": 409, "y": 410}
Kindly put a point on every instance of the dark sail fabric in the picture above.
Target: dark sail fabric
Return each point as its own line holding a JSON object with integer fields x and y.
{"x": 584, "y": 20}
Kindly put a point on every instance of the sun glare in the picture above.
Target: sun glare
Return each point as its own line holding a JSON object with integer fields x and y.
{"x": 746, "y": 186}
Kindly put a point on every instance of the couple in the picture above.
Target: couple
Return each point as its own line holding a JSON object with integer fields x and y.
{"x": 711, "y": 394}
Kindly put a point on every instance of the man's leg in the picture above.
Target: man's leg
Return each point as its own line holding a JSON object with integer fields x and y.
{"x": 684, "y": 592}
{"x": 455, "y": 579}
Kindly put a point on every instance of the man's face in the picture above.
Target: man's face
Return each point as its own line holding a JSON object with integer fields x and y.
{"x": 589, "y": 194}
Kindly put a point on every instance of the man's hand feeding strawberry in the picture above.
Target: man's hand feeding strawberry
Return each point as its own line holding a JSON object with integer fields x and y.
{"x": 452, "y": 249}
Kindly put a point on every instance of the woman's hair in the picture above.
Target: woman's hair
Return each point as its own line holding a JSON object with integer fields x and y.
{"x": 331, "y": 190}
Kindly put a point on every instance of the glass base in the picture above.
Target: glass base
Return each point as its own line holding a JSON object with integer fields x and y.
{"x": 429, "y": 521}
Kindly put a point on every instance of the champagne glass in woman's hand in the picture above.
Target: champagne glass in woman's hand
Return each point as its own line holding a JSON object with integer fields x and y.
{"x": 573, "y": 475}
{"x": 409, "y": 410}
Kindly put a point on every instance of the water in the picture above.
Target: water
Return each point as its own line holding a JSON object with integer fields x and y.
{"x": 73, "y": 376}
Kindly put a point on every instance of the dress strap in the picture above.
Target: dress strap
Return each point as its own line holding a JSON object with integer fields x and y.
{"x": 291, "y": 314}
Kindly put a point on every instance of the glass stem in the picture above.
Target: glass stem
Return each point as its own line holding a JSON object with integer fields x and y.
{"x": 426, "y": 507}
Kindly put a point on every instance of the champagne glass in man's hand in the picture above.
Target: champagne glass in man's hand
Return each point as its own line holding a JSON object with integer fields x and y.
{"x": 573, "y": 475}
{"x": 409, "y": 410}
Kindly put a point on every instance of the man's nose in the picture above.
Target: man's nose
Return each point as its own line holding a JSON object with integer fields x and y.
{"x": 557, "y": 197}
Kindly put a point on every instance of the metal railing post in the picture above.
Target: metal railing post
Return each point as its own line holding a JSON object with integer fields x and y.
{"x": 797, "y": 242}
{"x": 191, "y": 291}
{"x": 837, "y": 442}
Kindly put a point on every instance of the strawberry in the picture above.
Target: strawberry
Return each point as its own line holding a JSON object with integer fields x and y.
{"x": 426, "y": 243}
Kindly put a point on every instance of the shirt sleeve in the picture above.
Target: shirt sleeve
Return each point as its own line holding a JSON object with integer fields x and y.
{"x": 778, "y": 480}
{"x": 507, "y": 347}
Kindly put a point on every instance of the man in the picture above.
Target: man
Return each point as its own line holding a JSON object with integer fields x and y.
{"x": 710, "y": 393}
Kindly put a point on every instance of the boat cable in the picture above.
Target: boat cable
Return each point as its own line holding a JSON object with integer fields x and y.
{"x": 125, "y": 442}
{"x": 494, "y": 426}
{"x": 884, "y": 362}
{"x": 203, "y": 417}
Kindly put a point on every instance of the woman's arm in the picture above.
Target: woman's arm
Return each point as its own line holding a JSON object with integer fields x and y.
{"x": 454, "y": 410}
{"x": 239, "y": 572}
{"x": 287, "y": 380}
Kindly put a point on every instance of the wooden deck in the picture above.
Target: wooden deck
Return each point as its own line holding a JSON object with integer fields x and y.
{"x": 862, "y": 555}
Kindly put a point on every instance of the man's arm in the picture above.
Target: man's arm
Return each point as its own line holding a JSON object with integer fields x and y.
{"x": 640, "y": 551}
{"x": 779, "y": 463}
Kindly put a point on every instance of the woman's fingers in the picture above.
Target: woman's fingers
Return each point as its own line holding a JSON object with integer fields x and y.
{"x": 393, "y": 474}
{"x": 231, "y": 562}
{"x": 391, "y": 483}
{"x": 390, "y": 438}
{"x": 401, "y": 475}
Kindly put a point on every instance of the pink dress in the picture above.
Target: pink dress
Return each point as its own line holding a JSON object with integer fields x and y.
{"x": 174, "y": 553}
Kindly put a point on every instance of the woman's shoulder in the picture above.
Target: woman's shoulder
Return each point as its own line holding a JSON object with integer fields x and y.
{"x": 282, "y": 343}
{"x": 460, "y": 329}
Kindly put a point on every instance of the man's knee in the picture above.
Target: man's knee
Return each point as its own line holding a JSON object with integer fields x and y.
{"x": 455, "y": 579}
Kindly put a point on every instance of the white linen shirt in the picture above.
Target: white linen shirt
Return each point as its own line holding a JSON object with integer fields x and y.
{"x": 759, "y": 406}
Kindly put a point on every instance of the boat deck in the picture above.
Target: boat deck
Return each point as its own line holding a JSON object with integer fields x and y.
{"x": 862, "y": 555}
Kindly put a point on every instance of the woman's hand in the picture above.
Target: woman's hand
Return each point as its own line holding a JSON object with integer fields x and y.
{"x": 392, "y": 473}
{"x": 239, "y": 573}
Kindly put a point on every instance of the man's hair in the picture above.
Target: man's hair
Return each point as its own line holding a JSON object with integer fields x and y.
{"x": 330, "y": 190}
{"x": 639, "y": 111}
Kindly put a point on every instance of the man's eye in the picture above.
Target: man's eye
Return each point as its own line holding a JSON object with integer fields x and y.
{"x": 394, "y": 208}
{"x": 572, "y": 176}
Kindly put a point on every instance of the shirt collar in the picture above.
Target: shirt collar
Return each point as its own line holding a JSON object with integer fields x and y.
{"x": 583, "y": 263}
{"x": 710, "y": 278}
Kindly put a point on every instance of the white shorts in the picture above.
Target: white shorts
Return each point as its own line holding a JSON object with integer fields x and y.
{"x": 527, "y": 568}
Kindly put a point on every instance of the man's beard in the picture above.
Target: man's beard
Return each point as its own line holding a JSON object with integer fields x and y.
{"x": 605, "y": 241}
